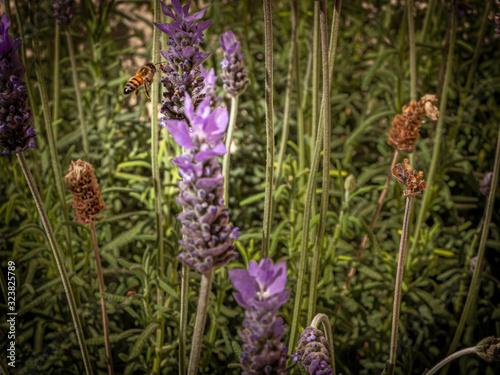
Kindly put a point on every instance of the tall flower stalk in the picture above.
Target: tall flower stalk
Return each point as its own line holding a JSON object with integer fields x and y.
{"x": 235, "y": 81}
{"x": 207, "y": 238}
{"x": 414, "y": 185}
{"x": 88, "y": 204}
{"x": 268, "y": 198}
{"x": 261, "y": 292}
{"x": 16, "y": 136}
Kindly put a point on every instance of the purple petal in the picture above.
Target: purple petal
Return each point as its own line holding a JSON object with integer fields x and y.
{"x": 197, "y": 16}
{"x": 242, "y": 281}
{"x": 176, "y": 4}
{"x": 216, "y": 123}
{"x": 166, "y": 28}
{"x": 218, "y": 149}
{"x": 166, "y": 10}
{"x": 185, "y": 9}
{"x": 203, "y": 110}
{"x": 199, "y": 58}
{"x": 278, "y": 282}
{"x": 189, "y": 108}
{"x": 201, "y": 26}
{"x": 242, "y": 301}
{"x": 180, "y": 132}
{"x": 188, "y": 52}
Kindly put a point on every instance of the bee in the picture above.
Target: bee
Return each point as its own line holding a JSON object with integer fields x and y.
{"x": 144, "y": 76}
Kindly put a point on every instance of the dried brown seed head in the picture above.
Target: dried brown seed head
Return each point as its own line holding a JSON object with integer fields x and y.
{"x": 414, "y": 182}
{"x": 406, "y": 126}
{"x": 83, "y": 185}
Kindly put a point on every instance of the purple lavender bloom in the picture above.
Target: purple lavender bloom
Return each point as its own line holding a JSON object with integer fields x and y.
{"x": 485, "y": 183}
{"x": 182, "y": 73}
{"x": 313, "y": 353}
{"x": 261, "y": 291}
{"x": 16, "y": 132}
{"x": 64, "y": 11}
{"x": 207, "y": 238}
{"x": 234, "y": 76}
{"x": 210, "y": 79}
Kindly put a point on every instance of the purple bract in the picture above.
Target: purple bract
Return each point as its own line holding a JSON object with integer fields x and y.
{"x": 234, "y": 76}
{"x": 261, "y": 291}
{"x": 207, "y": 238}
{"x": 16, "y": 131}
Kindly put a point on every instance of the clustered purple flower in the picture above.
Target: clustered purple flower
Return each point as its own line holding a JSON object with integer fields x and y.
{"x": 207, "y": 238}
{"x": 64, "y": 11}
{"x": 16, "y": 131}
{"x": 182, "y": 73}
{"x": 261, "y": 291}
{"x": 313, "y": 353}
{"x": 234, "y": 76}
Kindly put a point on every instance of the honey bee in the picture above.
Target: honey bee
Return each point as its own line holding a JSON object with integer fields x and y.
{"x": 144, "y": 76}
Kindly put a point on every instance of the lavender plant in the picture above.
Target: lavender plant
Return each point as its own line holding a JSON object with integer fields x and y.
{"x": 182, "y": 73}
{"x": 313, "y": 352}
{"x": 261, "y": 292}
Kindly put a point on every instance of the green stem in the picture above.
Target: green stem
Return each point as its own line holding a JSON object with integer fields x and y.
{"x": 315, "y": 77}
{"x": 413, "y": 57}
{"x": 452, "y": 357}
{"x": 288, "y": 94}
{"x": 54, "y": 156}
{"x": 428, "y": 15}
{"x": 474, "y": 285}
{"x": 229, "y": 138}
{"x": 268, "y": 199}
{"x": 397, "y": 290}
{"x": 199, "y": 325}
{"x": 325, "y": 186}
{"x": 327, "y": 329}
{"x": 301, "y": 134}
{"x": 59, "y": 261}
{"x": 160, "y": 271}
{"x": 100, "y": 278}
{"x": 57, "y": 73}
{"x": 437, "y": 140}
{"x": 311, "y": 183}
{"x": 183, "y": 318}
{"x": 380, "y": 203}
{"x": 79, "y": 102}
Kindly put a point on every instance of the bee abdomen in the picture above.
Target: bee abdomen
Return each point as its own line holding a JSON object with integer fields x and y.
{"x": 133, "y": 84}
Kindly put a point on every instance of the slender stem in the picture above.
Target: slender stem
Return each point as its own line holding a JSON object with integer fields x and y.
{"x": 183, "y": 318}
{"x": 288, "y": 94}
{"x": 155, "y": 89}
{"x": 327, "y": 329}
{"x": 58, "y": 258}
{"x": 199, "y": 325}
{"x": 452, "y": 357}
{"x": 301, "y": 134}
{"x": 268, "y": 200}
{"x": 229, "y": 138}
{"x": 474, "y": 285}
{"x": 437, "y": 140}
{"x": 413, "y": 57}
{"x": 315, "y": 76}
{"x": 57, "y": 73}
{"x": 311, "y": 183}
{"x": 428, "y": 14}
{"x": 397, "y": 290}
{"x": 325, "y": 188}
{"x": 79, "y": 101}
{"x": 380, "y": 203}
{"x": 54, "y": 156}
{"x": 100, "y": 278}
{"x": 3, "y": 368}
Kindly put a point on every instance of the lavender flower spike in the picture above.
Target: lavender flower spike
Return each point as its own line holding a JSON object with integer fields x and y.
{"x": 261, "y": 291}
{"x": 207, "y": 238}
{"x": 182, "y": 74}
{"x": 234, "y": 76}
{"x": 313, "y": 352}
{"x": 16, "y": 131}
{"x": 64, "y": 11}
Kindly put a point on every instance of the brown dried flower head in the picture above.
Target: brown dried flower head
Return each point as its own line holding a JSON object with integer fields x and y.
{"x": 414, "y": 182}
{"x": 406, "y": 126}
{"x": 83, "y": 185}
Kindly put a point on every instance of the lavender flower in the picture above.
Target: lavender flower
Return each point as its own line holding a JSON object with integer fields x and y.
{"x": 489, "y": 349}
{"x": 207, "y": 238}
{"x": 210, "y": 79}
{"x": 485, "y": 183}
{"x": 16, "y": 132}
{"x": 313, "y": 352}
{"x": 234, "y": 77}
{"x": 64, "y": 11}
{"x": 182, "y": 73}
{"x": 262, "y": 292}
